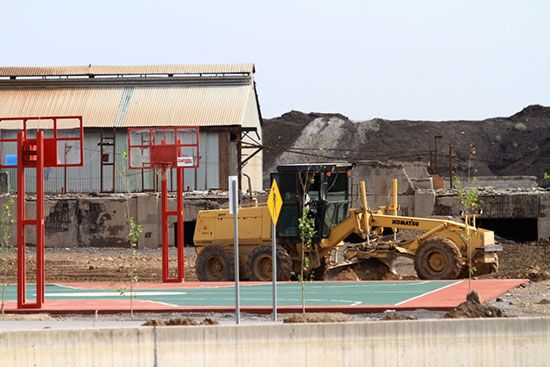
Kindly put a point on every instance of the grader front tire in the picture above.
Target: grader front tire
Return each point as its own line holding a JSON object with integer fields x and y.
{"x": 438, "y": 258}
{"x": 259, "y": 263}
{"x": 215, "y": 263}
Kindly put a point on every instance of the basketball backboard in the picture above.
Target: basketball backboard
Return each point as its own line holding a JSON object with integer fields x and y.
{"x": 169, "y": 147}
{"x": 63, "y": 139}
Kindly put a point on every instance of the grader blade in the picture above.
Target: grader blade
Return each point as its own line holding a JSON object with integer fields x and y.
{"x": 362, "y": 269}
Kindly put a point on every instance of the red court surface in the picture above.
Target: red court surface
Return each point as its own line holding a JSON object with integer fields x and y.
{"x": 343, "y": 296}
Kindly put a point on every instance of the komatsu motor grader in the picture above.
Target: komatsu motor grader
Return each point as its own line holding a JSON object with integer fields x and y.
{"x": 445, "y": 249}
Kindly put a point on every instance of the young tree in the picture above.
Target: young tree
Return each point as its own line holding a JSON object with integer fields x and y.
{"x": 306, "y": 227}
{"x": 6, "y": 221}
{"x": 469, "y": 201}
{"x": 134, "y": 233}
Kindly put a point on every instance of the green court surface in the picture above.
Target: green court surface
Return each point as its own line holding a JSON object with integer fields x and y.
{"x": 288, "y": 294}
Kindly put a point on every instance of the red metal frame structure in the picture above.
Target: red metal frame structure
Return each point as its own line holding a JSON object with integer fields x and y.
{"x": 164, "y": 148}
{"x": 37, "y": 152}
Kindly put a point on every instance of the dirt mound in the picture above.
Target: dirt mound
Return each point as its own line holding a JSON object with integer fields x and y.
{"x": 281, "y": 132}
{"x": 394, "y": 316}
{"x": 371, "y": 269}
{"x": 519, "y": 256}
{"x": 26, "y": 317}
{"x": 518, "y": 145}
{"x": 180, "y": 322}
{"x": 473, "y": 308}
{"x": 533, "y": 111}
{"x": 315, "y": 317}
{"x": 533, "y": 273}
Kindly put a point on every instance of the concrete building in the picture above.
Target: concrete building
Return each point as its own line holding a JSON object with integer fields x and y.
{"x": 220, "y": 99}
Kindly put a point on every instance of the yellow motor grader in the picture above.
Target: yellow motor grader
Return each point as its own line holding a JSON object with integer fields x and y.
{"x": 444, "y": 249}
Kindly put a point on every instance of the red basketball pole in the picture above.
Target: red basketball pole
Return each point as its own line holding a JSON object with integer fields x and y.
{"x": 30, "y": 153}
{"x": 181, "y": 242}
{"x": 164, "y": 148}
{"x": 179, "y": 215}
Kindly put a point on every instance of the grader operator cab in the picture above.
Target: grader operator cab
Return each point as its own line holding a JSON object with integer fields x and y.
{"x": 444, "y": 250}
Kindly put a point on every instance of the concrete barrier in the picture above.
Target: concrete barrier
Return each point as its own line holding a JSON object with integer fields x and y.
{"x": 467, "y": 342}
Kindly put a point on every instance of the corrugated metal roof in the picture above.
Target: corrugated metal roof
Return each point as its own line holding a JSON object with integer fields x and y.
{"x": 97, "y": 105}
{"x": 175, "y": 105}
{"x": 192, "y": 106}
{"x": 20, "y": 71}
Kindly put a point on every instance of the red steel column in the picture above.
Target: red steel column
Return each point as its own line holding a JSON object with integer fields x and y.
{"x": 179, "y": 215}
{"x": 181, "y": 242}
{"x": 31, "y": 157}
{"x": 164, "y": 200}
{"x": 21, "y": 271}
{"x": 40, "y": 274}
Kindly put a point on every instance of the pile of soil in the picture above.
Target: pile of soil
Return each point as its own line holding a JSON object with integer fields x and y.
{"x": 519, "y": 256}
{"x": 394, "y": 316}
{"x": 315, "y": 317}
{"x": 180, "y": 322}
{"x": 505, "y": 146}
{"x": 472, "y": 308}
{"x": 533, "y": 273}
{"x": 26, "y": 317}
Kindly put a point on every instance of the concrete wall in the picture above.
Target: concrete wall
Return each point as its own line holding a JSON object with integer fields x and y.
{"x": 498, "y": 182}
{"x": 378, "y": 178}
{"x": 102, "y": 221}
{"x": 466, "y": 342}
{"x": 543, "y": 220}
{"x": 497, "y": 205}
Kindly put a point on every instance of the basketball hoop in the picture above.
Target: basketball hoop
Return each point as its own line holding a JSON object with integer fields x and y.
{"x": 166, "y": 148}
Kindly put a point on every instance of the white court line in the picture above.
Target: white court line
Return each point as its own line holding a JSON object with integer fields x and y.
{"x": 385, "y": 285}
{"x": 423, "y": 294}
{"x": 65, "y": 286}
{"x": 112, "y": 294}
{"x": 160, "y": 303}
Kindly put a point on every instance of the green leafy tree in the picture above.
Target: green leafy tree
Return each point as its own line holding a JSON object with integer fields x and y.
{"x": 307, "y": 231}
{"x": 469, "y": 200}
{"x": 306, "y": 228}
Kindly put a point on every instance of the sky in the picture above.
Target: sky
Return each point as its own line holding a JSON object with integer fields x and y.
{"x": 392, "y": 59}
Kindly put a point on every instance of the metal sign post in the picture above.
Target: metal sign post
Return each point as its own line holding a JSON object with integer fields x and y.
{"x": 274, "y": 268}
{"x": 274, "y": 204}
{"x": 233, "y": 209}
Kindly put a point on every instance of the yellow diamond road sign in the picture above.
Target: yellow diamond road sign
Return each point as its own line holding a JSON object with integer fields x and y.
{"x": 274, "y": 202}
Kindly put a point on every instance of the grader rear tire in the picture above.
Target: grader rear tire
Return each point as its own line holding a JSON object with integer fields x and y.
{"x": 215, "y": 263}
{"x": 259, "y": 263}
{"x": 438, "y": 258}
